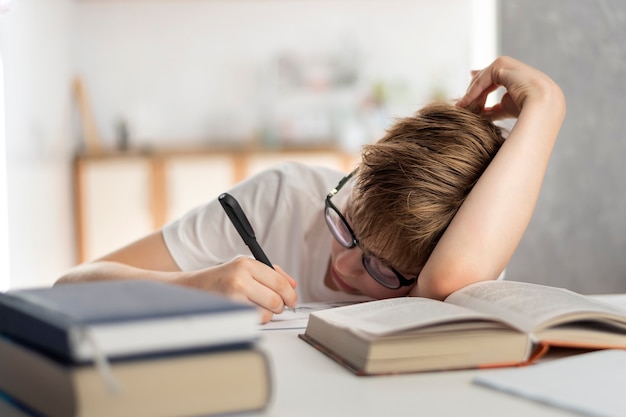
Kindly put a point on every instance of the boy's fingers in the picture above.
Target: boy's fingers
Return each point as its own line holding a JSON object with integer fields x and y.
{"x": 292, "y": 281}
{"x": 266, "y": 315}
{"x": 275, "y": 283}
{"x": 265, "y": 297}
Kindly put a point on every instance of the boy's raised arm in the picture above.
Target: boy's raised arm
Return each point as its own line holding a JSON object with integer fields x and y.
{"x": 482, "y": 237}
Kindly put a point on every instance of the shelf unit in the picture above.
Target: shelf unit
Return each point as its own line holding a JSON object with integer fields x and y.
{"x": 122, "y": 196}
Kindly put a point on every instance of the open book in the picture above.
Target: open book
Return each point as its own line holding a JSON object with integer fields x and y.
{"x": 487, "y": 324}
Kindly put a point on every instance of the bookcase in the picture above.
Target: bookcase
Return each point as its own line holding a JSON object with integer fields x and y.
{"x": 122, "y": 196}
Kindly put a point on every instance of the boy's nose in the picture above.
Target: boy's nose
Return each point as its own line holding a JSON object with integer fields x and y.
{"x": 349, "y": 261}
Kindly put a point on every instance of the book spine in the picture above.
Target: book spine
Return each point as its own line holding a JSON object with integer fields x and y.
{"x": 10, "y": 407}
{"x": 34, "y": 327}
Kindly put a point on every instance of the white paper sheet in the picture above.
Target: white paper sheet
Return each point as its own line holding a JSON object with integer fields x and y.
{"x": 299, "y": 317}
{"x": 591, "y": 384}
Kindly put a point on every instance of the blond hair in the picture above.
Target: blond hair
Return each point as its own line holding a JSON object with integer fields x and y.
{"x": 411, "y": 183}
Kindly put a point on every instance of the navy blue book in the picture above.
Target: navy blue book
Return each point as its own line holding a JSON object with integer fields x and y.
{"x": 9, "y": 407}
{"x": 85, "y": 321}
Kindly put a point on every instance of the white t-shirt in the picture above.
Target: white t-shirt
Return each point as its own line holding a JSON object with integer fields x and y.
{"x": 285, "y": 206}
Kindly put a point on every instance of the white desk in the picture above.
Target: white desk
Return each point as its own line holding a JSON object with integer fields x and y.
{"x": 307, "y": 383}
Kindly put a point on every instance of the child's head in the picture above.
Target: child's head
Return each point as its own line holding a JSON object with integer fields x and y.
{"x": 411, "y": 183}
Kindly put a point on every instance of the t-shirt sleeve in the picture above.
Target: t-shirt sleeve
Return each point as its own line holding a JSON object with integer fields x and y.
{"x": 279, "y": 204}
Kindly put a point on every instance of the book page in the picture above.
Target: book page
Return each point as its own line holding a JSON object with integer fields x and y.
{"x": 616, "y": 300}
{"x": 531, "y": 306}
{"x": 297, "y": 318}
{"x": 398, "y": 314}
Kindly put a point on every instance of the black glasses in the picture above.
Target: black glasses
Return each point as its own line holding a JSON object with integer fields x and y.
{"x": 385, "y": 275}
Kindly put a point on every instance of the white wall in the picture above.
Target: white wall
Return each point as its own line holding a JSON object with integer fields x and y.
{"x": 5, "y": 6}
{"x": 186, "y": 72}
{"x": 190, "y": 71}
{"x": 37, "y": 70}
{"x": 4, "y": 215}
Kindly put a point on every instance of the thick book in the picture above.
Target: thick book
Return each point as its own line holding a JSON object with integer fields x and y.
{"x": 123, "y": 318}
{"x": 486, "y": 324}
{"x": 176, "y": 385}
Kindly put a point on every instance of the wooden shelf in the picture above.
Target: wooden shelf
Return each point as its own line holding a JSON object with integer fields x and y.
{"x": 121, "y": 196}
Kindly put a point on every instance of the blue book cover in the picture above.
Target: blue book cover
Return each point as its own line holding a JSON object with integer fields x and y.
{"x": 9, "y": 407}
{"x": 78, "y": 322}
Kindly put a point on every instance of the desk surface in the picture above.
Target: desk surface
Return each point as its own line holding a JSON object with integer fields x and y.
{"x": 307, "y": 383}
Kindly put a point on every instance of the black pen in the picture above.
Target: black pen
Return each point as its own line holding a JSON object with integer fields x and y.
{"x": 240, "y": 221}
{"x": 243, "y": 226}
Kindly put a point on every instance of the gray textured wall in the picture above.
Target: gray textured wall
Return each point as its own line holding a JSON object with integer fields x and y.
{"x": 577, "y": 237}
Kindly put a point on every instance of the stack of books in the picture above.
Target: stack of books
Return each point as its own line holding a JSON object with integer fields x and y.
{"x": 128, "y": 348}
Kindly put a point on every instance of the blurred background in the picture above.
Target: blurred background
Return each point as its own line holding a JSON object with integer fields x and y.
{"x": 119, "y": 115}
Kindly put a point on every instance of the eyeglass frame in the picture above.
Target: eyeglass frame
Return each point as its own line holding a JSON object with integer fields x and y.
{"x": 329, "y": 205}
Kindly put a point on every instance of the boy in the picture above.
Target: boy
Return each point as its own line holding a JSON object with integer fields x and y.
{"x": 441, "y": 201}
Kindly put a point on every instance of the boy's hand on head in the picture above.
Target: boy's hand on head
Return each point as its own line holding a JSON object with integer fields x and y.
{"x": 521, "y": 82}
{"x": 247, "y": 279}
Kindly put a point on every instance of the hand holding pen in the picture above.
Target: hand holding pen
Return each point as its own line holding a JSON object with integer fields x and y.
{"x": 273, "y": 295}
